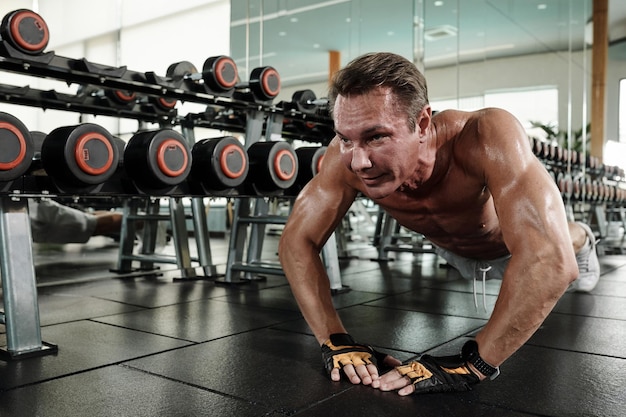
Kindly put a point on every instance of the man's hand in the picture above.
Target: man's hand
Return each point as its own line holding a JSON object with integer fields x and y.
{"x": 429, "y": 374}
{"x": 357, "y": 361}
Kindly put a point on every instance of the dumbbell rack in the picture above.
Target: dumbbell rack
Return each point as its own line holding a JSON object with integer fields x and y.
{"x": 21, "y": 316}
{"x": 253, "y": 213}
{"x": 592, "y": 192}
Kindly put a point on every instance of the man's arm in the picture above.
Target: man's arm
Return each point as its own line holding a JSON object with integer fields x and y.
{"x": 317, "y": 211}
{"x": 534, "y": 226}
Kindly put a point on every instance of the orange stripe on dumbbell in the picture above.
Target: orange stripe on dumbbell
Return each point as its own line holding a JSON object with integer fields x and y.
{"x": 164, "y": 161}
{"x": 19, "y": 158}
{"x": 82, "y": 153}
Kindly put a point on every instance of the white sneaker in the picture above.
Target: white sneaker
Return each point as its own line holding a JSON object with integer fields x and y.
{"x": 588, "y": 264}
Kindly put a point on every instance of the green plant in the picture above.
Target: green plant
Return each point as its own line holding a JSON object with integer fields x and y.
{"x": 553, "y": 134}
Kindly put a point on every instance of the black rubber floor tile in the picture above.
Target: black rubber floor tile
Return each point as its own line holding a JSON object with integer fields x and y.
{"x": 550, "y": 382}
{"x": 492, "y": 286}
{"x": 274, "y": 369}
{"x": 61, "y": 307}
{"x": 582, "y": 334}
{"x": 408, "y": 331}
{"x": 430, "y": 300}
{"x": 120, "y": 391}
{"x": 398, "y": 279}
{"x": 364, "y": 401}
{"x": 282, "y": 298}
{"x": 202, "y": 320}
{"x": 610, "y": 287}
{"x": 592, "y": 306}
{"x": 144, "y": 292}
{"x": 82, "y": 345}
{"x": 612, "y": 262}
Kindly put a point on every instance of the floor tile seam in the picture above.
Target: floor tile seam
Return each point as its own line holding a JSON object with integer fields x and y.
{"x": 191, "y": 342}
{"x": 190, "y": 384}
{"x": 425, "y": 312}
{"x": 364, "y": 303}
{"x": 563, "y": 313}
{"x": 90, "y": 369}
{"x": 468, "y": 291}
{"x": 311, "y": 406}
{"x": 515, "y": 410}
{"x": 620, "y": 297}
{"x": 601, "y": 355}
{"x": 95, "y": 368}
{"x": 274, "y": 309}
{"x": 111, "y": 275}
{"x": 430, "y": 348}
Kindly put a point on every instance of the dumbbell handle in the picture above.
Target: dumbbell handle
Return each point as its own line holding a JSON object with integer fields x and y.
{"x": 318, "y": 102}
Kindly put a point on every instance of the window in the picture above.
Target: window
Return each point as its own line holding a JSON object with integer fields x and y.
{"x": 528, "y": 105}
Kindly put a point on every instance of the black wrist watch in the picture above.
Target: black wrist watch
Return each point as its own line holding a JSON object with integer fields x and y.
{"x": 469, "y": 353}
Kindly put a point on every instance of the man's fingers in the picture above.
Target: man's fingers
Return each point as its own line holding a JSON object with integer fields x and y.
{"x": 351, "y": 374}
{"x": 364, "y": 374}
{"x": 392, "y": 380}
{"x": 408, "y": 390}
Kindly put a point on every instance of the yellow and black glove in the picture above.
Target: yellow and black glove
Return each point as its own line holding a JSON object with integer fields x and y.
{"x": 439, "y": 374}
{"x": 341, "y": 350}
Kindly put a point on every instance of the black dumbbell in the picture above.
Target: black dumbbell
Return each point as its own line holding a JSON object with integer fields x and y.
{"x": 309, "y": 164}
{"x": 122, "y": 97}
{"x": 219, "y": 73}
{"x": 79, "y": 157}
{"x": 305, "y": 101}
{"x": 219, "y": 163}
{"x": 263, "y": 86}
{"x": 163, "y": 103}
{"x": 157, "y": 161}
{"x": 25, "y": 31}
{"x": 264, "y": 83}
{"x": 273, "y": 166}
{"x": 16, "y": 148}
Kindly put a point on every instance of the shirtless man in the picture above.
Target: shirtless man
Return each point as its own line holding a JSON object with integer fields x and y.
{"x": 469, "y": 182}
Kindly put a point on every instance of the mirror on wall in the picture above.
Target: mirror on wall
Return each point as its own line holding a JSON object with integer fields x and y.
{"x": 529, "y": 57}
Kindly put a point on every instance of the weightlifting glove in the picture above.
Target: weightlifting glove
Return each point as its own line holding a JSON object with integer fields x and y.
{"x": 341, "y": 350}
{"x": 439, "y": 374}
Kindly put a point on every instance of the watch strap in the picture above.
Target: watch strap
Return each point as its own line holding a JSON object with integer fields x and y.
{"x": 471, "y": 355}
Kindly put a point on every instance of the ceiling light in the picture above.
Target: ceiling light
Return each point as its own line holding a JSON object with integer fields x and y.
{"x": 282, "y": 33}
{"x": 316, "y": 45}
{"x": 542, "y": 6}
{"x": 440, "y": 32}
{"x": 438, "y": 3}
{"x": 294, "y": 20}
{"x": 390, "y": 33}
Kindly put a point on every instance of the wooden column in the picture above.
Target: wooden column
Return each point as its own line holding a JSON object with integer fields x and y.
{"x": 334, "y": 64}
{"x": 598, "y": 75}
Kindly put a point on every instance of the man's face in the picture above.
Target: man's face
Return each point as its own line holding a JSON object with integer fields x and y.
{"x": 376, "y": 142}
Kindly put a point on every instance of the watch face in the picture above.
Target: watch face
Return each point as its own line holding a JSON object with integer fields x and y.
{"x": 469, "y": 352}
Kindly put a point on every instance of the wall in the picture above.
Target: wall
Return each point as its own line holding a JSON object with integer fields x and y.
{"x": 152, "y": 35}
{"x": 144, "y": 35}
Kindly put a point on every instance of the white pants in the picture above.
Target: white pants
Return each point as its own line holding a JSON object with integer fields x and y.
{"x": 52, "y": 222}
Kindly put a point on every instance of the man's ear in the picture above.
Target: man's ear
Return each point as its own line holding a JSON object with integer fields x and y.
{"x": 424, "y": 118}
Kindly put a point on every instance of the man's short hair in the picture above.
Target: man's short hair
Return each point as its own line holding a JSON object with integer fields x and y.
{"x": 383, "y": 69}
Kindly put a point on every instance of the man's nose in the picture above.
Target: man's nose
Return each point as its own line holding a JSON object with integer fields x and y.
{"x": 360, "y": 159}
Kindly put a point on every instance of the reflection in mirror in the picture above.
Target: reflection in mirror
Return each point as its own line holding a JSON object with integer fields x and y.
{"x": 527, "y": 57}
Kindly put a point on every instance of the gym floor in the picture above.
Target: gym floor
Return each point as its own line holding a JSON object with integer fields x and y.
{"x": 155, "y": 346}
